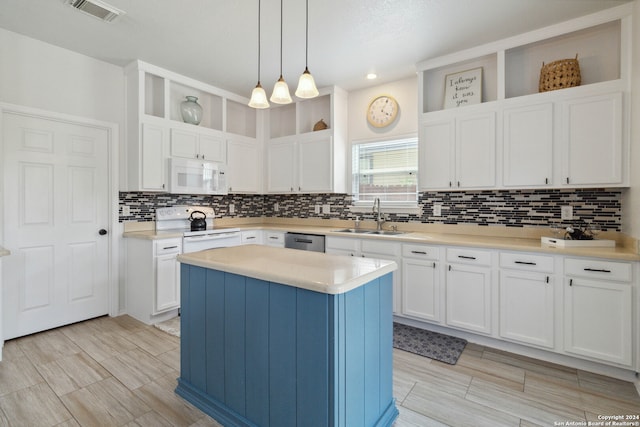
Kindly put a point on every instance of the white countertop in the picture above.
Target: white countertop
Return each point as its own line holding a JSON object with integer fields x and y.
{"x": 319, "y": 272}
{"x": 621, "y": 253}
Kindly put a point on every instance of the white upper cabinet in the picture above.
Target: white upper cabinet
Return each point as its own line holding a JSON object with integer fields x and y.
{"x": 539, "y": 139}
{"x": 528, "y": 146}
{"x": 593, "y": 140}
{"x": 154, "y": 96}
{"x": 244, "y": 165}
{"x": 301, "y": 160}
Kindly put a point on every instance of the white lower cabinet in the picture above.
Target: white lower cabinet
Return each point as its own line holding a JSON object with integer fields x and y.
{"x": 421, "y": 284}
{"x": 251, "y": 237}
{"x": 153, "y": 278}
{"x": 370, "y": 248}
{"x": 468, "y": 288}
{"x": 598, "y": 310}
{"x": 274, "y": 238}
{"x": 527, "y": 310}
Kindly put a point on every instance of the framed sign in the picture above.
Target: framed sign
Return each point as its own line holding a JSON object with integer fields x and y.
{"x": 463, "y": 88}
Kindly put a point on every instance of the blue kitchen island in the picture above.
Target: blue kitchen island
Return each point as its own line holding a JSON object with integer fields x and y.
{"x": 282, "y": 337}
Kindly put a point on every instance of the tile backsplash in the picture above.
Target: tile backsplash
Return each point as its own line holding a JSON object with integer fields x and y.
{"x": 513, "y": 208}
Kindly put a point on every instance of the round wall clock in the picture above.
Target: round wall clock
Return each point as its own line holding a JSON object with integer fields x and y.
{"x": 382, "y": 111}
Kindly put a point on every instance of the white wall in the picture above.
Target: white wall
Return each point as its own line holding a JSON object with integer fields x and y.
{"x": 631, "y": 199}
{"x": 404, "y": 91}
{"x": 40, "y": 75}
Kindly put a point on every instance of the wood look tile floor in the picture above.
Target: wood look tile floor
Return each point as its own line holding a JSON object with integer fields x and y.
{"x": 121, "y": 372}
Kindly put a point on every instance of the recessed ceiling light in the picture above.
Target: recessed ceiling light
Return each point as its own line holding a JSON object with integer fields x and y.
{"x": 372, "y": 76}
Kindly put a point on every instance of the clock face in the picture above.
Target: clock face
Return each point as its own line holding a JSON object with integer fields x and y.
{"x": 382, "y": 111}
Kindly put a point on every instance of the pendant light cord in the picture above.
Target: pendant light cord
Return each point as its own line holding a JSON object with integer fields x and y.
{"x": 306, "y": 48}
{"x": 259, "y": 10}
{"x": 281, "y": 15}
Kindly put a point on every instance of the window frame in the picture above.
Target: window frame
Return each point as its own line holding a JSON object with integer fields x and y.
{"x": 363, "y": 206}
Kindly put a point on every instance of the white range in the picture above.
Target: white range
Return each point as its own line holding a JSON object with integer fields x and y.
{"x": 179, "y": 218}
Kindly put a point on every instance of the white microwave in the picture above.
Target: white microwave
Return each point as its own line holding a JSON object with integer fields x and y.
{"x": 197, "y": 177}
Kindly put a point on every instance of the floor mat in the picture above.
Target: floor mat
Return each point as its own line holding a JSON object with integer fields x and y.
{"x": 433, "y": 345}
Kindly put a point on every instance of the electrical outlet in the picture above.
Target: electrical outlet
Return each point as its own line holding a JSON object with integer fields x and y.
{"x": 437, "y": 210}
{"x": 566, "y": 212}
{"x": 232, "y": 208}
{"x": 126, "y": 210}
{"x": 317, "y": 209}
{"x": 326, "y": 209}
{"x": 276, "y": 207}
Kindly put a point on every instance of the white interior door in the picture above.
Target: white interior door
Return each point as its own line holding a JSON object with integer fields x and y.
{"x": 56, "y": 201}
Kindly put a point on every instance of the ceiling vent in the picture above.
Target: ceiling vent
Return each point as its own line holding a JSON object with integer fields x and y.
{"x": 97, "y": 9}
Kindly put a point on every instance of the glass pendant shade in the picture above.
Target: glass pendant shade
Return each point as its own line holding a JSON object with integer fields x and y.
{"x": 306, "y": 86}
{"x": 280, "y": 93}
{"x": 258, "y": 98}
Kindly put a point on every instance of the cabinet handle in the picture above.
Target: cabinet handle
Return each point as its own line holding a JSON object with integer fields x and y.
{"x": 450, "y": 184}
{"x": 546, "y": 180}
{"x": 170, "y": 247}
{"x": 449, "y": 267}
{"x": 299, "y": 188}
{"x": 163, "y": 186}
{"x": 597, "y": 270}
{"x": 525, "y": 263}
{"x": 230, "y": 188}
{"x": 570, "y": 282}
{"x": 458, "y": 183}
{"x": 273, "y": 237}
{"x": 305, "y": 241}
{"x": 434, "y": 264}
{"x": 466, "y": 257}
{"x": 291, "y": 188}
{"x": 567, "y": 180}
{"x": 547, "y": 280}
{"x": 419, "y": 252}
{"x": 251, "y": 237}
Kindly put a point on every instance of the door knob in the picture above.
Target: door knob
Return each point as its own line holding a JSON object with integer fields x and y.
{"x": 102, "y": 232}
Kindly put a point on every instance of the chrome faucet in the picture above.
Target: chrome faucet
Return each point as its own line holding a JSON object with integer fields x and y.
{"x": 376, "y": 210}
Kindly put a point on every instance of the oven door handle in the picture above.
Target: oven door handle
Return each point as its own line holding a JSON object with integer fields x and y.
{"x": 214, "y": 236}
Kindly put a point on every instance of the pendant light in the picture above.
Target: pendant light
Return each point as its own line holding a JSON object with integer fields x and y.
{"x": 258, "y": 96}
{"x": 280, "y": 93}
{"x": 306, "y": 85}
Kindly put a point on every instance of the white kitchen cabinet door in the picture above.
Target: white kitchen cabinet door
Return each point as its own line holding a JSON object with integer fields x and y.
{"x": 192, "y": 145}
{"x": 244, "y": 166}
{"x": 593, "y": 140}
{"x": 527, "y": 308}
{"x": 421, "y": 289}
{"x": 281, "y": 158}
{"x": 213, "y": 148}
{"x": 152, "y": 157}
{"x": 598, "y": 320}
{"x": 390, "y": 251}
{"x": 469, "y": 298}
{"x": 167, "y": 292}
{"x": 476, "y": 151}
{"x": 436, "y": 149}
{"x": 528, "y": 146}
{"x": 315, "y": 165}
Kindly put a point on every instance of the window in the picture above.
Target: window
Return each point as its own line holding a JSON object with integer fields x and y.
{"x": 387, "y": 170}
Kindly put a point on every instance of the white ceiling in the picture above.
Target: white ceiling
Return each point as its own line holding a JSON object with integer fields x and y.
{"x": 215, "y": 41}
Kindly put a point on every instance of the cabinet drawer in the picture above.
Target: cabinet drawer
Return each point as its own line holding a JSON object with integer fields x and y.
{"x": 468, "y": 256}
{"x": 529, "y": 262}
{"x": 342, "y": 243}
{"x": 421, "y": 252}
{"x": 250, "y": 236}
{"x": 596, "y": 269}
{"x": 381, "y": 247}
{"x": 274, "y": 237}
{"x": 168, "y": 246}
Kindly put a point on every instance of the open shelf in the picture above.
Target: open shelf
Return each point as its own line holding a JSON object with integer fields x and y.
{"x": 282, "y": 120}
{"x": 433, "y": 81}
{"x": 241, "y": 119}
{"x": 311, "y": 111}
{"x": 211, "y": 105}
{"x": 598, "y": 49}
{"x": 154, "y": 95}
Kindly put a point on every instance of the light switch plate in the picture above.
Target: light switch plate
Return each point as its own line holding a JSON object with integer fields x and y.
{"x": 566, "y": 212}
{"x": 276, "y": 207}
{"x": 232, "y": 208}
{"x": 326, "y": 209}
{"x": 317, "y": 209}
{"x": 437, "y": 210}
{"x": 126, "y": 210}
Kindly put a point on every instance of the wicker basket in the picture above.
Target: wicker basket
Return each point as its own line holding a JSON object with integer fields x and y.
{"x": 321, "y": 125}
{"x": 559, "y": 74}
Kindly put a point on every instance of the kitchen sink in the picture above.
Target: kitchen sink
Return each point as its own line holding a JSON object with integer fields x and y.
{"x": 387, "y": 232}
{"x": 378, "y": 232}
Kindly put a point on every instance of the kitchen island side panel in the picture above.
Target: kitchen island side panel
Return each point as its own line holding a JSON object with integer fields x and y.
{"x": 294, "y": 358}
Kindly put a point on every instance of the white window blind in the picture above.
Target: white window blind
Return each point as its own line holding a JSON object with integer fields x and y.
{"x": 385, "y": 169}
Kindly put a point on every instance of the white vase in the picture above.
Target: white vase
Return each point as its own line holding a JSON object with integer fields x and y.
{"x": 191, "y": 111}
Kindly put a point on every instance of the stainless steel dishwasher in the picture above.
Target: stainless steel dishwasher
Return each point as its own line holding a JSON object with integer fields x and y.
{"x": 305, "y": 242}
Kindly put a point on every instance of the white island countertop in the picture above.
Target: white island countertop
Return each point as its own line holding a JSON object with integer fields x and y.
{"x": 314, "y": 271}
